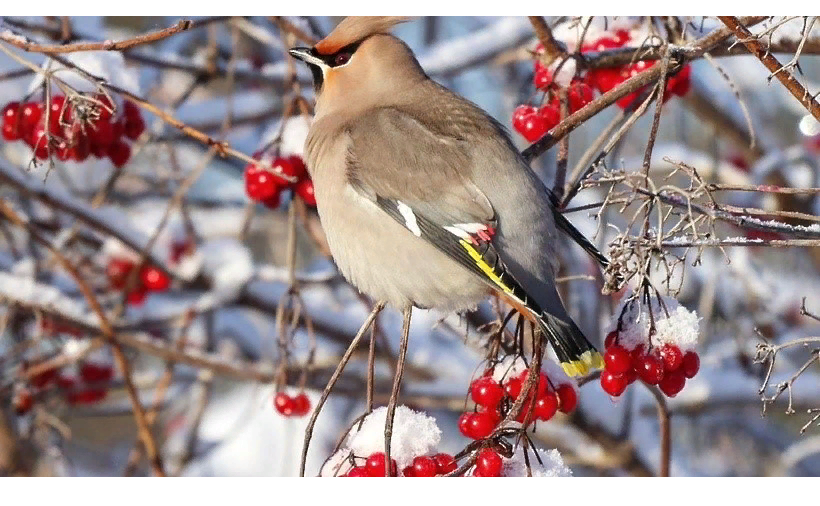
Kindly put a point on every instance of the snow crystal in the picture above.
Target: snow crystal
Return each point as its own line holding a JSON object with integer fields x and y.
{"x": 229, "y": 265}
{"x": 27, "y": 291}
{"x": 294, "y": 133}
{"x": 552, "y": 464}
{"x": 679, "y": 327}
{"x": 414, "y": 434}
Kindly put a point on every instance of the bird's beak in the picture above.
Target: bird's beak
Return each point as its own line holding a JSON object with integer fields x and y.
{"x": 304, "y": 54}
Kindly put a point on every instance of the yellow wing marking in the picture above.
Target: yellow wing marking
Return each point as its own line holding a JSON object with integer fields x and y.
{"x": 484, "y": 266}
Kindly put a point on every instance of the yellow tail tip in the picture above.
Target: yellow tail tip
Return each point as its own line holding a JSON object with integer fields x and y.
{"x": 589, "y": 360}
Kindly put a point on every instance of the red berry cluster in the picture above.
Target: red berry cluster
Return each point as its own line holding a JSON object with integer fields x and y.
{"x": 422, "y": 466}
{"x": 533, "y": 122}
{"x": 88, "y": 387}
{"x": 74, "y": 137}
{"x": 291, "y": 406}
{"x": 494, "y": 400}
{"x": 666, "y": 366}
{"x": 151, "y": 279}
{"x": 605, "y": 79}
{"x": 266, "y": 186}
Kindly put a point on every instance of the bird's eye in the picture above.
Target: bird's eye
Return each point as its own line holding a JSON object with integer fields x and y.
{"x": 341, "y": 59}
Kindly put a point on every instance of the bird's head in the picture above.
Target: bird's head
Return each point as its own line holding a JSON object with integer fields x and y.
{"x": 359, "y": 62}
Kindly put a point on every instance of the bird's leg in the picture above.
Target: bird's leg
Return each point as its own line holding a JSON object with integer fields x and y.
{"x": 333, "y": 379}
{"x": 394, "y": 394}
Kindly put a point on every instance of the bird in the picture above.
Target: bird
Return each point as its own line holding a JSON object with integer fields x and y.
{"x": 423, "y": 197}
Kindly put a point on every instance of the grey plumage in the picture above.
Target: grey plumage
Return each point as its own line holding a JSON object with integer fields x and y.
{"x": 402, "y": 167}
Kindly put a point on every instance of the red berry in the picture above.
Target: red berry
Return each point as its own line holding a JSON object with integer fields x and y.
{"x": 533, "y": 127}
{"x": 464, "y": 423}
{"x": 408, "y": 472}
{"x": 691, "y": 364}
{"x": 273, "y": 201}
{"x": 520, "y": 115}
{"x": 485, "y": 391}
{"x": 39, "y": 142}
{"x": 444, "y": 463}
{"x": 631, "y": 375}
{"x": 117, "y": 271}
{"x": 304, "y": 189}
{"x": 637, "y": 355}
{"x": 30, "y": 115}
{"x": 56, "y": 112}
{"x": 650, "y": 369}
{"x": 283, "y": 166}
{"x": 488, "y": 463}
{"x": 130, "y": 110}
{"x": 283, "y": 403}
{"x": 513, "y": 387}
{"x": 604, "y": 79}
{"x": 617, "y": 359}
{"x": 260, "y": 184}
{"x": 301, "y": 405}
{"x": 672, "y": 357}
{"x": 542, "y": 78}
{"x": 134, "y": 126}
{"x": 299, "y": 168}
{"x": 136, "y": 297}
{"x": 358, "y": 472}
{"x": 23, "y": 402}
{"x": 102, "y": 133}
{"x": 93, "y": 373}
{"x": 376, "y": 468}
{"x": 546, "y": 406}
{"x": 481, "y": 425}
{"x": 180, "y": 249}
{"x": 672, "y": 383}
{"x": 613, "y": 384}
{"x": 66, "y": 382}
{"x": 567, "y": 398}
{"x": 11, "y": 131}
{"x": 551, "y": 113}
{"x": 119, "y": 152}
{"x": 107, "y": 107}
{"x": 579, "y": 95}
{"x": 154, "y": 279}
{"x": 424, "y": 467}
{"x": 621, "y": 37}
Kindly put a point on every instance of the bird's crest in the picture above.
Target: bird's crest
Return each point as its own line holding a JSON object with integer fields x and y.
{"x": 356, "y": 28}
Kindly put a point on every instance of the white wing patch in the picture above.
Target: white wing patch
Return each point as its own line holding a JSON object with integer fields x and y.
{"x": 409, "y": 218}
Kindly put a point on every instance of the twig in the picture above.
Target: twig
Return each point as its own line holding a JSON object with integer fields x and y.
{"x": 787, "y": 79}
{"x": 394, "y": 394}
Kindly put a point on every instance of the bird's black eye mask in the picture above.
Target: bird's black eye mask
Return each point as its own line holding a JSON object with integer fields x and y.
{"x": 337, "y": 59}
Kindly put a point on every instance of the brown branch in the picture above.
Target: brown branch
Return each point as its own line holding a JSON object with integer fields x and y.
{"x": 770, "y": 62}
{"x": 552, "y": 48}
{"x": 108, "y": 45}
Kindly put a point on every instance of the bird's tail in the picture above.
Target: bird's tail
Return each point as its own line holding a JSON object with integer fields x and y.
{"x": 576, "y": 354}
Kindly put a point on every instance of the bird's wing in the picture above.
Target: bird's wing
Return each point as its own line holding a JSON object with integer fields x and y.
{"x": 417, "y": 177}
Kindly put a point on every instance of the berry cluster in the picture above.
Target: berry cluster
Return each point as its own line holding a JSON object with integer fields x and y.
{"x": 83, "y": 385}
{"x": 665, "y": 366}
{"x": 533, "y": 122}
{"x": 151, "y": 279}
{"x": 75, "y": 131}
{"x": 422, "y": 466}
{"x": 265, "y": 186}
{"x": 494, "y": 400}
{"x": 291, "y": 406}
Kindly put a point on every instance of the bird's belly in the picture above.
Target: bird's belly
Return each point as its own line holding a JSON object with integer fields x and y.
{"x": 387, "y": 262}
